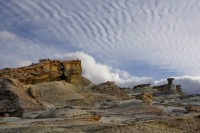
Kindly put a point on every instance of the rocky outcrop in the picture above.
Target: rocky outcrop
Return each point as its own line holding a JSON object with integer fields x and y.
{"x": 165, "y": 89}
{"x": 46, "y": 70}
{"x": 58, "y": 93}
{"x": 179, "y": 90}
{"x": 168, "y": 89}
{"x": 17, "y": 98}
{"x": 110, "y": 88}
{"x": 141, "y": 86}
{"x": 14, "y": 100}
{"x": 170, "y": 83}
{"x": 41, "y": 86}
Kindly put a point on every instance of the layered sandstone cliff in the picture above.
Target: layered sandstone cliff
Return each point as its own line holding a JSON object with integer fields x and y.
{"x": 46, "y": 70}
{"x": 40, "y": 86}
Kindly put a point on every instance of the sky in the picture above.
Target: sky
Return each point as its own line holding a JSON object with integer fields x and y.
{"x": 126, "y": 41}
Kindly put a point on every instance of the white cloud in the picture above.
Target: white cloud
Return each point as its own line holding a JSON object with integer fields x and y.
{"x": 189, "y": 84}
{"x": 98, "y": 73}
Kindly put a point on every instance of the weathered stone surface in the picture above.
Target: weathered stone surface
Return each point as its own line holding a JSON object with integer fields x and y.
{"x": 193, "y": 108}
{"x": 142, "y": 89}
{"x": 46, "y": 70}
{"x": 145, "y": 97}
{"x": 112, "y": 89}
{"x": 141, "y": 86}
{"x": 32, "y": 92}
{"x": 17, "y": 98}
{"x": 14, "y": 100}
{"x": 57, "y": 93}
{"x": 65, "y": 112}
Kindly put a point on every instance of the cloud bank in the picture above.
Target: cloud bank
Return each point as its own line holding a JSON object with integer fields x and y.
{"x": 98, "y": 73}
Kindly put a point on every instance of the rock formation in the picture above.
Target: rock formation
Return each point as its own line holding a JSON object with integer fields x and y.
{"x": 141, "y": 86}
{"x": 14, "y": 100}
{"x": 112, "y": 89}
{"x": 40, "y": 86}
{"x": 57, "y": 93}
{"x": 179, "y": 90}
{"x": 170, "y": 83}
{"x": 168, "y": 89}
{"x": 45, "y": 71}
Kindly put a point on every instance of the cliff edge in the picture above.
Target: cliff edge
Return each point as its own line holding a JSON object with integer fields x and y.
{"x": 46, "y": 70}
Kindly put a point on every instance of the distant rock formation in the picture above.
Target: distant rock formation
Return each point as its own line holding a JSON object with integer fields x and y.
{"x": 179, "y": 90}
{"x": 141, "y": 85}
{"x": 112, "y": 89}
{"x": 143, "y": 88}
{"x": 170, "y": 83}
{"x": 160, "y": 93}
{"x": 168, "y": 89}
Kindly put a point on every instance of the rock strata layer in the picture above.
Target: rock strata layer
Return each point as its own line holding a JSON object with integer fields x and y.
{"x": 45, "y": 71}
